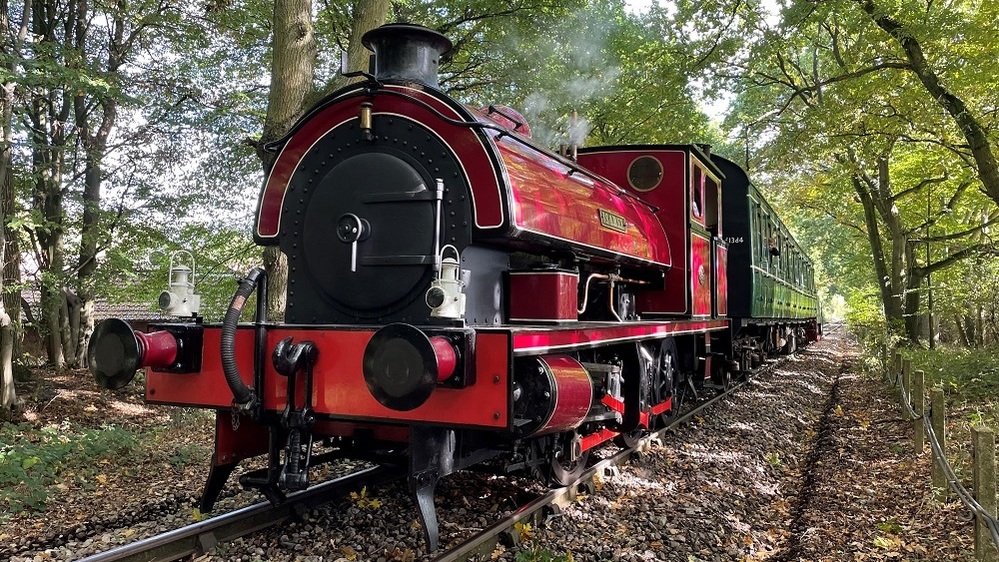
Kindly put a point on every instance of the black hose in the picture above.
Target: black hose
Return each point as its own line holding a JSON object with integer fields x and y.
{"x": 242, "y": 393}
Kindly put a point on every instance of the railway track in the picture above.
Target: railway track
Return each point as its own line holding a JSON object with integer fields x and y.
{"x": 484, "y": 542}
{"x": 203, "y": 536}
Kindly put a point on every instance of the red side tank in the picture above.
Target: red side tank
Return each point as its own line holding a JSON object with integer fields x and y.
{"x": 554, "y": 201}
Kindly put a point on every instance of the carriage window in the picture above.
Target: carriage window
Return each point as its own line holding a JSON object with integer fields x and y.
{"x": 754, "y": 230}
{"x": 697, "y": 192}
{"x": 773, "y": 260}
{"x": 712, "y": 205}
{"x": 758, "y": 235}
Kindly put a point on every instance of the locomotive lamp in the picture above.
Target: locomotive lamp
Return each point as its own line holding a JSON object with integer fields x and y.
{"x": 402, "y": 365}
{"x": 444, "y": 297}
{"x": 180, "y": 299}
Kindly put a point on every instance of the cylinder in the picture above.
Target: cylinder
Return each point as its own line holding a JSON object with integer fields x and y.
{"x": 551, "y": 393}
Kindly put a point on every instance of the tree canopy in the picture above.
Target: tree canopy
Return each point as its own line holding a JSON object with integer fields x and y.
{"x": 133, "y": 129}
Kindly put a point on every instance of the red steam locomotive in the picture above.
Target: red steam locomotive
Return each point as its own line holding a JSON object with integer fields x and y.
{"x": 458, "y": 294}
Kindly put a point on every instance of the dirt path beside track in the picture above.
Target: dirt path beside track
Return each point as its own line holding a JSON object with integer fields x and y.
{"x": 810, "y": 462}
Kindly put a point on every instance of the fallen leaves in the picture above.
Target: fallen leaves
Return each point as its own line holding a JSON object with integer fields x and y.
{"x": 363, "y": 501}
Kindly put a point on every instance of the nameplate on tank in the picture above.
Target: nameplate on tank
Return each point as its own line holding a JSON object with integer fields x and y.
{"x": 612, "y": 221}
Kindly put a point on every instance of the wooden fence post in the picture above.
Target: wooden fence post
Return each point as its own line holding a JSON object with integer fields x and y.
{"x": 983, "y": 448}
{"x": 938, "y": 419}
{"x": 906, "y": 379}
{"x": 896, "y": 367}
{"x": 918, "y": 406}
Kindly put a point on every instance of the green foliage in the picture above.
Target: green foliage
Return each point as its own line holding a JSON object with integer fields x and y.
{"x": 890, "y": 525}
{"x": 969, "y": 375}
{"x": 187, "y": 454}
{"x": 970, "y": 381}
{"x": 824, "y": 97}
{"x": 222, "y": 255}
{"x": 33, "y": 459}
{"x": 867, "y": 323}
{"x": 773, "y": 459}
{"x": 593, "y": 58}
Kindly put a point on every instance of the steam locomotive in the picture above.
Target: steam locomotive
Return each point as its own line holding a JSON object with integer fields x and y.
{"x": 460, "y": 295}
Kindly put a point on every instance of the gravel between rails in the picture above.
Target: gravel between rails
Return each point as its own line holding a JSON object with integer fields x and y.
{"x": 784, "y": 470}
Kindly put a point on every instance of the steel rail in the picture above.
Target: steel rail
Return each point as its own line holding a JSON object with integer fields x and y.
{"x": 484, "y": 542}
{"x": 202, "y": 536}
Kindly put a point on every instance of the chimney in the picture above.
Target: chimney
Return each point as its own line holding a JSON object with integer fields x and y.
{"x": 407, "y": 53}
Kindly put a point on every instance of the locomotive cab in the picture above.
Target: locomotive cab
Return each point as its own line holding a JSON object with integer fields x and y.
{"x": 685, "y": 186}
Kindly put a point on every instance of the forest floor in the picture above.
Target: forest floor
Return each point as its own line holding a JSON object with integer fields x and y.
{"x": 79, "y": 460}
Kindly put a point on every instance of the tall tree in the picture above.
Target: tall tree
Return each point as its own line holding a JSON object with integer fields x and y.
{"x": 50, "y": 138}
{"x": 12, "y": 39}
{"x": 82, "y": 80}
{"x": 823, "y": 87}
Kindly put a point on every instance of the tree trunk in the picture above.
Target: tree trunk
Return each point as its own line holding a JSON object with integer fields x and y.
{"x": 886, "y": 279}
{"x": 69, "y": 324}
{"x": 367, "y": 15}
{"x": 913, "y": 320}
{"x": 95, "y": 146}
{"x": 965, "y": 337}
{"x": 276, "y": 265}
{"x": 969, "y": 330}
{"x": 980, "y": 326}
{"x": 50, "y": 112}
{"x": 292, "y": 65}
{"x": 51, "y": 307}
{"x": 8, "y": 394}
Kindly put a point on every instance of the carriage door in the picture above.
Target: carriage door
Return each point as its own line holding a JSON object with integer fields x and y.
{"x": 719, "y": 248}
{"x": 709, "y": 253}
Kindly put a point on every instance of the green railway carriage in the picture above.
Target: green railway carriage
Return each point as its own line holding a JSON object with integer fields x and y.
{"x": 771, "y": 282}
